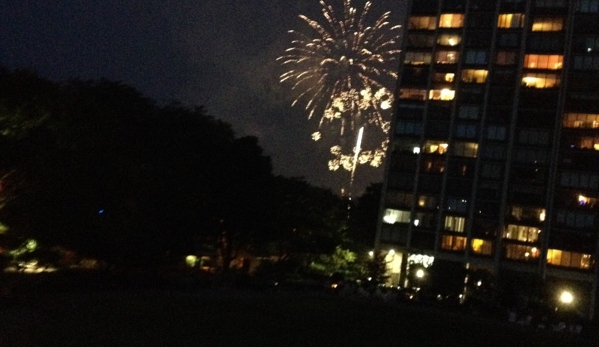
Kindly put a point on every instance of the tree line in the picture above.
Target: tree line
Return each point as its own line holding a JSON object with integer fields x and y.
{"x": 97, "y": 167}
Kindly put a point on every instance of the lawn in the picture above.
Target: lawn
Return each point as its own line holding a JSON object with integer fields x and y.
{"x": 245, "y": 318}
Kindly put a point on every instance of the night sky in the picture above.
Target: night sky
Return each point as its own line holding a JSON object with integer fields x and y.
{"x": 217, "y": 53}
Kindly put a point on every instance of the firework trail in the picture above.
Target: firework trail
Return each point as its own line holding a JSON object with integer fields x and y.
{"x": 343, "y": 72}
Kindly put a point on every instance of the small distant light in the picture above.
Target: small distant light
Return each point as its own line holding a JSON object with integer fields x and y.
{"x": 334, "y": 285}
{"x": 369, "y": 278}
{"x": 391, "y": 252}
{"x": 100, "y": 211}
{"x": 420, "y": 273}
{"x": 479, "y": 283}
{"x": 371, "y": 253}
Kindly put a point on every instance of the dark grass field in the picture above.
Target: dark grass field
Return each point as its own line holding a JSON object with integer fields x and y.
{"x": 245, "y": 318}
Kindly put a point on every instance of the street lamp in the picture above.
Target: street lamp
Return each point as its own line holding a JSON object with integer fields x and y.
{"x": 566, "y": 297}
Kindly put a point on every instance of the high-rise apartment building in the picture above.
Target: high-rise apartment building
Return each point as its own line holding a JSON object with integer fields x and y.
{"x": 494, "y": 155}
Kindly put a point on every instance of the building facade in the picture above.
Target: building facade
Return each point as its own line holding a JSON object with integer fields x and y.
{"x": 494, "y": 154}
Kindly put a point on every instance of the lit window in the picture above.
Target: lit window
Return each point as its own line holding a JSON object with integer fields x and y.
{"x": 480, "y": 246}
{"x": 417, "y": 58}
{"x": 474, "y": 76}
{"x": 585, "y": 200}
{"x": 453, "y": 243}
{"x": 412, "y": 94}
{"x": 540, "y": 80}
{"x": 510, "y": 20}
{"x": 522, "y": 233}
{"x": 422, "y": 22}
{"x": 465, "y": 149}
{"x": 446, "y": 57}
{"x": 454, "y": 223}
{"x": 557, "y": 257}
{"x": 531, "y": 214}
{"x": 429, "y": 202}
{"x": 581, "y": 120}
{"x": 451, "y": 20}
{"x": 521, "y": 252}
{"x": 588, "y": 142}
{"x": 435, "y": 147}
{"x": 543, "y": 61}
{"x": 441, "y": 94}
{"x": 444, "y": 77}
{"x": 449, "y": 40}
{"x": 544, "y": 23}
{"x": 396, "y": 216}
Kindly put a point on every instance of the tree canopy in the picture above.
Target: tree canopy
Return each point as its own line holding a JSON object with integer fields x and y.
{"x": 97, "y": 167}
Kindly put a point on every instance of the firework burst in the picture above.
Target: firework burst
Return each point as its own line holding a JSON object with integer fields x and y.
{"x": 343, "y": 72}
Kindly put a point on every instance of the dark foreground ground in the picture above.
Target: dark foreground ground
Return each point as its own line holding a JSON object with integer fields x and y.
{"x": 228, "y": 317}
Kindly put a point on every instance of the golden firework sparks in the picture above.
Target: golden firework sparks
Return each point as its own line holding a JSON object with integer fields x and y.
{"x": 343, "y": 71}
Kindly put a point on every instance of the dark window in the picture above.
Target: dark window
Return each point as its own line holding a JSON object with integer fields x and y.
{"x": 540, "y": 99}
{"x": 406, "y": 127}
{"x": 485, "y": 227}
{"x": 437, "y": 129}
{"x": 545, "y": 43}
{"x": 499, "y": 115}
{"x": 527, "y": 175}
{"x": 453, "y": 204}
{"x": 501, "y": 96}
{"x": 429, "y": 184}
{"x": 414, "y": 76}
{"x": 423, "y": 240}
{"x": 508, "y": 40}
{"x": 482, "y": 20}
{"x": 403, "y": 163}
{"x": 469, "y": 112}
{"x": 420, "y": 40}
{"x": 458, "y": 186}
{"x": 488, "y": 190}
{"x": 492, "y": 171}
{"x": 461, "y": 168}
{"x": 495, "y": 151}
{"x": 479, "y": 38}
{"x": 466, "y": 130}
{"x": 534, "y": 136}
{"x": 580, "y": 82}
{"x": 471, "y": 95}
{"x": 482, "y": 5}
{"x": 425, "y": 6}
{"x": 487, "y": 208}
{"x": 436, "y": 111}
{"x": 407, "y": 110}
{"x": 586, "y": 44}
{"x": 586, "y": 24}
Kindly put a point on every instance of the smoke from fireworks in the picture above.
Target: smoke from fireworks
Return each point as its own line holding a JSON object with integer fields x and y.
{"x": 343, "y": 72}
